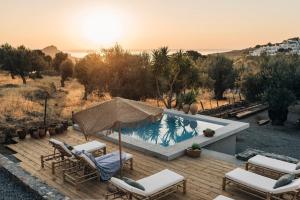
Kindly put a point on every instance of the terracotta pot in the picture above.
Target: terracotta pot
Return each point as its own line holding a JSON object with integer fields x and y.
{"x": 51, "y": 129}
{"x": 210, "y": 133}
{"x": 34, "y": 133}
{"x": 65, "y": 124}
{"x": 21, "y": 133}
{"x": 194, "y": 108}
{"x": 42, "y": 132}
{"x": 59, "y": 129}
{"x": 186, "y": 108}
{"x": 193, "y": 153}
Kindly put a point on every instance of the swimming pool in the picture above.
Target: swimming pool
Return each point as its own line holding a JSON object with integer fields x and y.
{"x": 169, "y": 130}
{"x": 168, "y": 138}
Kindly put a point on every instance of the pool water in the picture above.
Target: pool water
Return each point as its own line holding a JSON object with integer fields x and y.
{"x": 169, "y": 130}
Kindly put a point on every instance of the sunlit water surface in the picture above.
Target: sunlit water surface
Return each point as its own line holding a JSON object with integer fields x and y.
{"x": 169, "y": 130}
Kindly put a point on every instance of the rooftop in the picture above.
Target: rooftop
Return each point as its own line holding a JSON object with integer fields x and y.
{"x": 204, "y": 175}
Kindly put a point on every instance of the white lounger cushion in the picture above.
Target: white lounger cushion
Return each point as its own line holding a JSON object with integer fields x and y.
{"x": 61, "y": 144}
{"x": 152, "y": 184}
{"x": 274, "y": 164}
{"x": 221, "y": 197}
{"x": 90, "y": 146}
{"x": 259, "y": 182}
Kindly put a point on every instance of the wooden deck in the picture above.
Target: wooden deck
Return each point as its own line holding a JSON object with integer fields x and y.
{"x": 204, "y": 175}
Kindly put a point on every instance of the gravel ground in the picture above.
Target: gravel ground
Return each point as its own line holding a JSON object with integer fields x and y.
{"x": 12, "y": 189}
{"x": 284, "y": 140}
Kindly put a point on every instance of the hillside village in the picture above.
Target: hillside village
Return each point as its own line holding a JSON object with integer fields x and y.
{"x": 289, "y": 46}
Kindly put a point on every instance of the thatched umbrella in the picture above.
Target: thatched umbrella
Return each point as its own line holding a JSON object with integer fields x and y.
{"x": 115, "y": 114}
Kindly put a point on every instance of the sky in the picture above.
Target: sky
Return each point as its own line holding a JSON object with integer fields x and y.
{"x": 145, "y": 24}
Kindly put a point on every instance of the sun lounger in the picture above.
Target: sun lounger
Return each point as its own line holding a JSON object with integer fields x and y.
{"x": 156, "y": 186}
{"x": 61, "y": 152}
{"x": 221, "y": 197}
{"x": 259, "y": 186}
{"x": 87, "y": 170}
{"x": 270, "y": 164}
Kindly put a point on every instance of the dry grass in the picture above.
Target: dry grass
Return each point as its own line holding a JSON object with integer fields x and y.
{"x": 18, "y": 101}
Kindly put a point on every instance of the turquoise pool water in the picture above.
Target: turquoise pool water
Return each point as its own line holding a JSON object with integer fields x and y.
{"x": 169, "y": 130}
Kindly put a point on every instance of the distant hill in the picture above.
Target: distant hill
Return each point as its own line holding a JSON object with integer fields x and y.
{"x": 53, "y": 50}
{"x": 235, "y": 54}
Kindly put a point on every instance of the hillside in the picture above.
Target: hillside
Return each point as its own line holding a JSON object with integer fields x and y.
{"x": 50, "y": 50}
{"x": 236, "y": 54}
{"x": 53, "y": 50}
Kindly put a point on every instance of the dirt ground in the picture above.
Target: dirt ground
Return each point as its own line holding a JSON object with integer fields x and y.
{"x": 284, "y": 140}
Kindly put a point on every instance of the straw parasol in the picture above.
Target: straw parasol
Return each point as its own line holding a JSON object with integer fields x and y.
{"x": 115, "y": 114}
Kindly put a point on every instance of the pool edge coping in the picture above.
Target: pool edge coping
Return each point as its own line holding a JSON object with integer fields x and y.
{"x": 32, "y": 182}
{"x": 172, "y": 152}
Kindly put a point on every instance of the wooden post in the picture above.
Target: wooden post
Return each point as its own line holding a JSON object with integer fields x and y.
{"x": 217, "y": 103}
{"x": 120, "y": 150}
{"x": 184, "y": 187}
{"x": 247, "y": 166}
{"x": 202, "y": 105}
{"x": 240, "y": 96}
{"x": 72, "y": 117}
{"x": 224, "y": 184}
{"x": 45, "y": 114}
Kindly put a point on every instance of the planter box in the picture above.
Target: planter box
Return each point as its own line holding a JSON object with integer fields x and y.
{"x": 193, "y": 153}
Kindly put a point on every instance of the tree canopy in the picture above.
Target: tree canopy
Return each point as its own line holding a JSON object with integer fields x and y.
{"x": 220, "y": 70}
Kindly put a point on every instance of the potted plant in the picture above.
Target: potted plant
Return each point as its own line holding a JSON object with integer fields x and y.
{"x": 21, "y": 133}
{"x": 51, "y": 129}
{"x": 208, "y": 132}
{"x": 58, "y": 129}
{"x": 188, "y": 100}
{"x": 65, "y": 124}
{"x": 42, "y": 131}
{"x": 34, "y": 133}
{"x": 194, "y": 151}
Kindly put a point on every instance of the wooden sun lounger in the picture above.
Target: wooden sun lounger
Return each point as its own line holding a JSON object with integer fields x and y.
{"x": 62, "y": 156}
{"x": 260, "y": 186}
{"x": 221, "y": 197}
{"x": 157, "y": 186}
{"x": 266, "y": 164}
{"x": 85, "y": 170}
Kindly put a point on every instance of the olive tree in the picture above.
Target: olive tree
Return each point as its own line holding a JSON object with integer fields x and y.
{"x": 58, "y": 59}
{"x": 220, "y": 70}
{"x": 91, "y": 72}
{"x": 130, "y": 75}
{"x": 66, "y": 70}
{"x": 173, "y": 74}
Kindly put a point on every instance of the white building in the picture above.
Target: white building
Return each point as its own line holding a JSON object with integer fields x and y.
{"x": 290, "y": 46}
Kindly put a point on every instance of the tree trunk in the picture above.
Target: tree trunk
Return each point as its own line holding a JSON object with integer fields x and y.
{"x": 85, "y": 93}
{"x": 12, "y": 76}
{"x": 23, "y": 79}
{"x": 62, "y": 82}
{"x": 218, "y": 94}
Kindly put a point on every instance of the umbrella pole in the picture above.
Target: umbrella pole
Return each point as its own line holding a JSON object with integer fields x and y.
{"x": 120, "y": 151}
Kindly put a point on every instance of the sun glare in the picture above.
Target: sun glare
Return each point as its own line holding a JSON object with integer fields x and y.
{"x": 102, "y": 28}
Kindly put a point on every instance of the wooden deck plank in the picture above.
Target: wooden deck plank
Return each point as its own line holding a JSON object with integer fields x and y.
{"x": 204, "y": 175}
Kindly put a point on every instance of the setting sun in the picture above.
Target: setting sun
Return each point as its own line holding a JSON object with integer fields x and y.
{"x": 102, "y": 28}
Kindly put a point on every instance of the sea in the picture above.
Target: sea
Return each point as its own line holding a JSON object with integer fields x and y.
{"x": 82, "y": 53}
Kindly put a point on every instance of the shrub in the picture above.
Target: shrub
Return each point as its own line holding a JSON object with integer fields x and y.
{"x": 220, "y": 70}
{"x": 196, "y": 146}
{"x": 66, "y": 70}
{"x": 190, "y": 97}
{"x": 279, "y": 99}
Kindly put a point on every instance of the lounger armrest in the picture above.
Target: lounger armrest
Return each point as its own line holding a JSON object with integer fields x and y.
{"x": 294, "y": 186}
